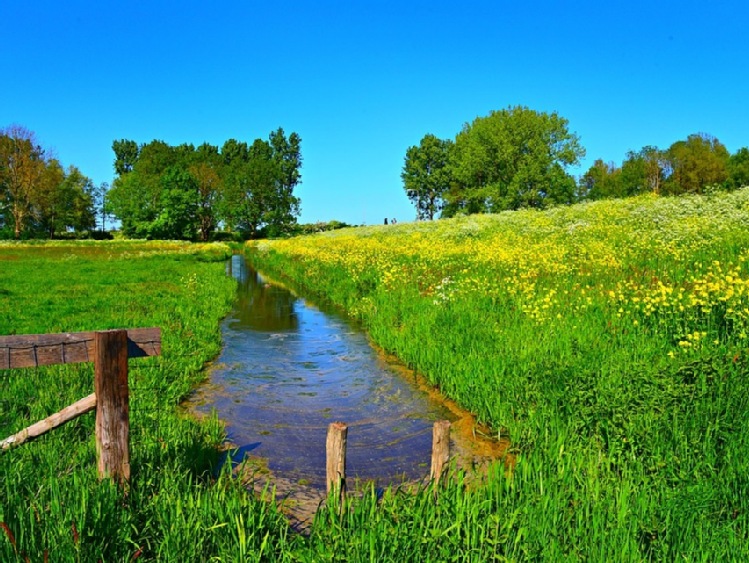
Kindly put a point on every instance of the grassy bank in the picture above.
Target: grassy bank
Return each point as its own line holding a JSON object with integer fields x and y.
{"x": 52, "y": 506}
{"x": 608, "y": 340}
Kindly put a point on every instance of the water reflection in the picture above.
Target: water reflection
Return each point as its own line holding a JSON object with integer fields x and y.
{"x": 260, "y": 306}
{"x": 288, "y": 370}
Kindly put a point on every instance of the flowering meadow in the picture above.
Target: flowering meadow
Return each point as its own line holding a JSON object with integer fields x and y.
{"x": 609, "y": 341}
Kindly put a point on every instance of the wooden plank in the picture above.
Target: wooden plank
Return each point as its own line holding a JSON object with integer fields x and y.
{"x": 440, "y": 449}
{"x": 335, "y": 460}
{"x": 112, "y": 405}
{"x": 75, "y": 410}
{"x": 33, "y": 350}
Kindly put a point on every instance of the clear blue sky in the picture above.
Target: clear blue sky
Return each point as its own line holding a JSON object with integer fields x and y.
{"x": 362, "y": 81}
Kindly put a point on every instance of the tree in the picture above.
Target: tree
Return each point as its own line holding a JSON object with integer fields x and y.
{"x": 184, "y": 192}
{"x": 259, "y": 181}
{"x": 63, "y": 200}
{"x": 696, "y": 163}
{"x": 250, "y": 188}
{"x": 426, "y": 175}
{"x": 601, "y": 181}
{"x": 47, "y": 199}
{"x": 513, "y": 158}
{"x": 283, "y": 209}
{"x": 22, "y": 164}
{"x": 136, "y": 196}
{"x": 643, "y": 171}
{"x": 738, "y": 168}
{"x": 209, "y": 182}
{"x": 100, "y": 195}
{"x": 126, "y": 155}
{"x": 177, "y": 218}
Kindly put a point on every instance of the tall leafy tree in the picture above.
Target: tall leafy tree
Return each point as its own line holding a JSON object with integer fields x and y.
{"x": 101, "y": 207}
{"x": 125, "y": 155}
{"x": 513, "y": 158}
{"x": 22, "y": 165}
{"x": 184, "y": 192}
{"x": 67, "y": 201}
{"x": 283, "y": 208}
{"x": 738, "y": 168}
{"x": 135, "y": 196}
{"x": 206, "y": 170}
{"x": 48, "y": 199}
{"x": 699, "y": 161}
{"x": 251, "y": 185}
{"x": 179, "y": 201}
{"x": 426, "y": 175}
{"x": 602, "y": 180}
{"x": 644, "y": 171}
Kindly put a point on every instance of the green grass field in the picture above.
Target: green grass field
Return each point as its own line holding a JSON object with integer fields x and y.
{"x": 52, "y": 505}
{"x": 608, "y": 341}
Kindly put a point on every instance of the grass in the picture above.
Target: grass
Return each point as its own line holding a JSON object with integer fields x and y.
{"x": 52, "y": 505}
{"x": 608, "y": 340}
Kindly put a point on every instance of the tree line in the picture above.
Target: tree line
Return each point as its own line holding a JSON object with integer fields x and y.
{"x": 38, "y": 197}
{"x": 188, "y": 192}
{"x": 517, "y": 158}
{"x": 160, "y": 191}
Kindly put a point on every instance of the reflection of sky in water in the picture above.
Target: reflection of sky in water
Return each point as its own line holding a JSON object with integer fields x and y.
{"x": 288, "y": 370}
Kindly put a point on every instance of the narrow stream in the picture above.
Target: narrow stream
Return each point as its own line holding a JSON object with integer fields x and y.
{"x": 288, "y": 369}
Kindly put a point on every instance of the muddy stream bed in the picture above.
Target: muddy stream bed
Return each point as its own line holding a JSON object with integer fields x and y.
{"x": 289, "y": 368}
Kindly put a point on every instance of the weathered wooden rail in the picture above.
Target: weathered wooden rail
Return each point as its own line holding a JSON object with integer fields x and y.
{"x": 110, "y": 351}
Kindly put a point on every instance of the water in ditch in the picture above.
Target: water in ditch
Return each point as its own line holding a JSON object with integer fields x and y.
{"x": 289, "y": 368}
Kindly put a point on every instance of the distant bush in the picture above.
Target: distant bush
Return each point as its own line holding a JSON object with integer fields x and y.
{"x": 320, "y": 227}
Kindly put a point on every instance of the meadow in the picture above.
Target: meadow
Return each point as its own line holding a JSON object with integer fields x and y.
{"x": 607, "y": 340}
{"x": 52, "y": 505}
{"x": 181, "y": 504}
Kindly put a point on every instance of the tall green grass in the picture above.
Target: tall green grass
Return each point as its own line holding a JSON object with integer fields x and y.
{"x": 52, "y": 505}
{"x": 629, "y": 445}
{"x": 630, "y": 424}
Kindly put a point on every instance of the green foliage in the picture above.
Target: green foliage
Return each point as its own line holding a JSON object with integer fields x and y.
{"x": 37, "y": 196}
{"x": 643, "y": 171}
{"x": 426, "y": 175}
{"x": 177, "y": 509}
{"x": 510, "y": 159}
{"x": 696, "y": 163}
{"x": 320, "y": 227}
{"x": 738, "y": 168}
{"x": 179, "y": 206}
{"x": 185, "y": 193}
{"x": 601, "y": 181}
{"x": 608, "y": 340}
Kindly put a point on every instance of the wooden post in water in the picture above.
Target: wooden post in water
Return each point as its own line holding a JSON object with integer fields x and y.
{"x": 112, "y": 404}
{"x": 335, "y": 455}
{"x": 440, "y": 449}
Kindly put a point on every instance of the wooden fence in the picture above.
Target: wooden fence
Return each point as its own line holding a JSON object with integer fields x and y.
{"x": 335, "y": 456}
{"x": 110, "y": 351}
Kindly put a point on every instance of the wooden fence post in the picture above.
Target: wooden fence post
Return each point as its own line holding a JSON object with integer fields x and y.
{"x": 440, "y": 449}
{"x": 112, "y": 404}
{"x": 335, "y": 466}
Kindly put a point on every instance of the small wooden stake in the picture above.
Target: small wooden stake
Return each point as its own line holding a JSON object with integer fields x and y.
{"x": 440, "y": 449}
{"x": 51, "y": 422}
{"x": 335, "y": 451}
{"x": 112, "y": 404}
